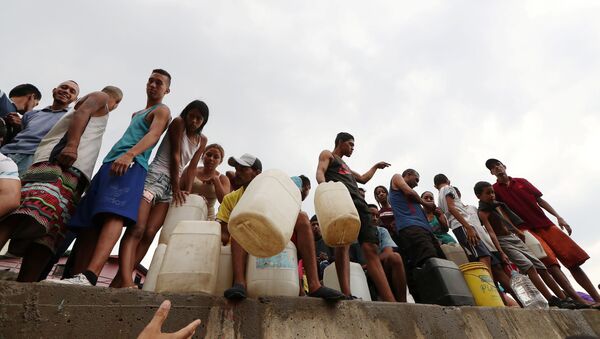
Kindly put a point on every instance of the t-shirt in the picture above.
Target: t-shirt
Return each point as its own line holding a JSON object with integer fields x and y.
{"x": 443, "y": 205}
{"x": 321, "y": 246}
{"x": 8, "y": 168}
{"x": 521, "y": 197}
{"x": 473, "y": 220}
{"x": 229, "y": 202}
{"x": 6, "y": 105}
{"x": 385, "y": 240}
{"x": 35, "y": 125}
{"x": 406, "y": 212}
{"x": 338, "y": 171}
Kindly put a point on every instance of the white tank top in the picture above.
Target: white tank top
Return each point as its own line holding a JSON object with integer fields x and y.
{"x": 89, "y": 144}
{"x": 162, "y": 160}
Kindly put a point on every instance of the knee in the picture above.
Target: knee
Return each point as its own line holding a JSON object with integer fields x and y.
{"x": 136, "y": 232}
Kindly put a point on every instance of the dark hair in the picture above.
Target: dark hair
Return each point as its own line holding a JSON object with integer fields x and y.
{"x": 422, "y": 194}
{"x": 314, "y": 218}
{"x": 342, "y": 137}
{"x": 440, "y": 179}
{"x": 25, "y": 89}
{"x": 480, "y": 186}
{"x": 163, "y": 72}
{"x": 409, "y": 171}
{"x": 201, "y": 107}
{"x": 305, "y": 180}
{"x": 373, "y": 206}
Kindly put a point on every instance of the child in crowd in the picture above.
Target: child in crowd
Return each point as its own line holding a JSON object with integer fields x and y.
{"x": 386, "y": 216}
{"x": 182, "y": 144}
{"x": 510, "y": 241}
{"x": 437, "y": 220}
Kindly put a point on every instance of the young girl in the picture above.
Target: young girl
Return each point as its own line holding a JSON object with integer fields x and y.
{"x": 386, "y": 216}
{"x": 438, "y": 221}
{"x": 183, "y": 143}
{"x": 206, "y": 181}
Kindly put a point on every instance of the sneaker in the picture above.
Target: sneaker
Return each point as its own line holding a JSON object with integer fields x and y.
{"x": 556, "y": 302}
{"x": 237, "y": 292}
{"x": 79, "y": 279}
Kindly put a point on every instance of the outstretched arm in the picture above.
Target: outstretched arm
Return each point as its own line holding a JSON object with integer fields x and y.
{"x": 160, "y": 120}
{"x": 364, "y": 178}
{"x": 83, "y": 111}
{"x": 561, "y": 222}
{"x": 324, "y": 161}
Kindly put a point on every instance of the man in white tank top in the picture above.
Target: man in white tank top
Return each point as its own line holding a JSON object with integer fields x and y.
{"x": 52, "y": 186}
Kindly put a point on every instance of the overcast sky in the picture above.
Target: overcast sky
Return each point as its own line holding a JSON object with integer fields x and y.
{"x": 433, "y": 85}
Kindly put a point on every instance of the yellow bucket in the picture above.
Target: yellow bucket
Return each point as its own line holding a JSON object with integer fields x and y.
{"x": 481, "y": 284}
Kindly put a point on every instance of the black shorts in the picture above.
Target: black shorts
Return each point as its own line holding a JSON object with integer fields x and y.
{"x": 367, "y": 232}
{"x": 418, "y": 244}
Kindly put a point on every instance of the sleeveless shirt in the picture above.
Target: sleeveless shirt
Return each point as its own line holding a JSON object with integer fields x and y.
{"x": 340, "y": 172}
{"x": 407, "y": 213}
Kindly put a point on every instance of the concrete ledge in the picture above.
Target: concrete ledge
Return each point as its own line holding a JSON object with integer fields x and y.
{"x": 58, "y": 311}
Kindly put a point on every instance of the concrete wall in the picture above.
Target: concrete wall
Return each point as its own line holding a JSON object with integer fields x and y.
{"x": 58, "y": 311}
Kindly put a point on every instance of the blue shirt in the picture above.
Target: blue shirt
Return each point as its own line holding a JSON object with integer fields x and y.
{"x": 6, "y": 105}
{"x": 385, "y": 240}
{"x": 35, "y": 125}
{"x": 137, "y": 129}
{"x": 407, "y": 213}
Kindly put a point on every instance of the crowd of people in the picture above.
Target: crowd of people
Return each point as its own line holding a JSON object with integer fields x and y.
{"x": 50, "y": 198}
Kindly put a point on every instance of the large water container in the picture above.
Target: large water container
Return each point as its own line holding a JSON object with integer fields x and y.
{"x": 157, "y": 259}
{"x": 358, "y": 281}
{"x": 193, "y": 209}
{"x": 225, "y": 277}
{"x": 263, "y": 220}
{"x": 441, "y": 282}
{"x": 480, "y": 282}
{"x": 534, "y": 245}
{"x": 274, "y": 276}
{"x": 338, "y": 218}
{"x": 455, "y": 253}
{"x": 191, "y": 262}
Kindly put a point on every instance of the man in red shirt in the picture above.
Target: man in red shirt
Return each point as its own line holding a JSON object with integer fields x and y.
{"x": 526, "y": 200}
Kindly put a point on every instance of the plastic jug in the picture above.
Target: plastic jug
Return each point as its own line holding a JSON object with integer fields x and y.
{"x": 455, "y": 253}
{"x": 157, "y": 259}
{"x": 193, "y": 209}
{"x": 528, "y": 295}
{"x": 358, "y": 281}
{"x": 274, "y": 276}
{"x": 534, "y": 245}
{"x": 440, "y": 282}
{"x": 225, "y": 277}
{"x": 338, "y": 218}
{"x": 264, "y": 218}
{"x": 481, "y": 284}
{"x": 191, "y": 261}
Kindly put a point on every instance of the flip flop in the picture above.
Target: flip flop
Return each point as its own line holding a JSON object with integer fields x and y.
{"x": 327, "y": 293}
{"x": 236, "y": 292}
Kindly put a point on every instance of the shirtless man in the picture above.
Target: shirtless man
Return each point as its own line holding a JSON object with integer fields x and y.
{"x": 52, "y": 186}
{"x": 332, "y": 168}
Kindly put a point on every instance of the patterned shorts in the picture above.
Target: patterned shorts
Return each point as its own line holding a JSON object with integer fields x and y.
{"x": 49, "y": 195}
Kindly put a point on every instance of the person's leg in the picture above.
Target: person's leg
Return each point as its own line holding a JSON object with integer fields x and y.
{"x": 306, "y": 249}
{"x": 376, "y": 271}
{"x": 342, "y": 268}
{"x": 551, "y": 283}
{"x": 153, "y": 224}
{"x": 562, "y": 280}
{"x": 8, "y": 226}
{"x": 83, "y": 251}
{"x": 109, "y": 235}
{"x": 583, "y": 281}
{"x": 487, "y": 261}
{"x": 34, "y": 261}
{"x": 10, "y": 198}
{"x": 538, "y": 283}
{"x": 398, "y": 277}
{"x": 239, "y": 258}
{"x": 503, "y": 278}
{"x": 129, "y": 246}
{"x": 62, "y": 248}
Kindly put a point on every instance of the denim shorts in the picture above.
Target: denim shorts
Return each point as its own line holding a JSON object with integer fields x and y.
{"x": 157, "y": 188}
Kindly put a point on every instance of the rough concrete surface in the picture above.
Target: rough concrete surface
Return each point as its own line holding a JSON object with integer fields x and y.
{"x": 45, "y": 310}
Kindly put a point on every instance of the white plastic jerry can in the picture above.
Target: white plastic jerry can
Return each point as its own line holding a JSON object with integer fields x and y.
{"x": 193, "y": 209}
{"x": 534, "y": 245}
{"x": 225, "y": 276}
{"x": 358, "y": 281}
{"x": 338, "y": 218}
{"x": 263, "y": 220}
{"x": 274, "y": 276}
{"x": 157, "y": 259}
{"x": 191, "y": 262}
